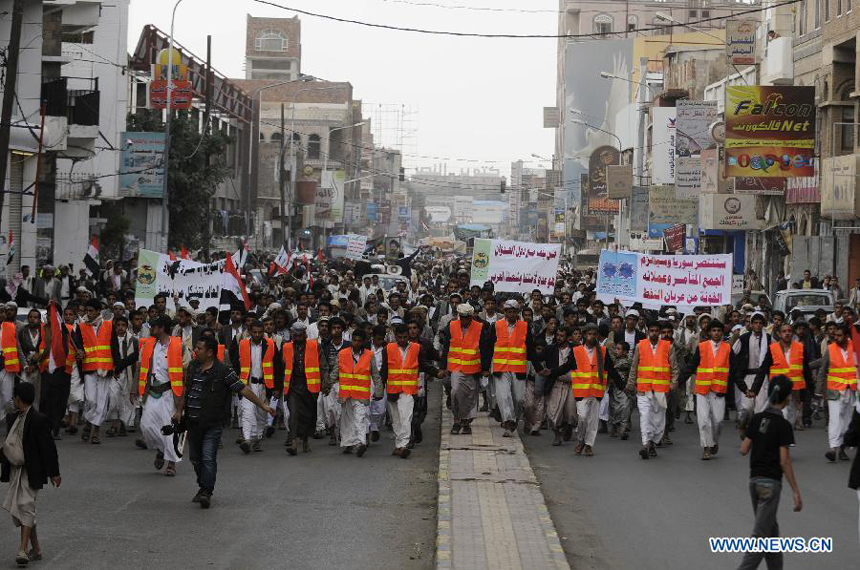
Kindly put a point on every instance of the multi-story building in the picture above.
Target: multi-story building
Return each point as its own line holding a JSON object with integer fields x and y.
{"x": 73, "y": 60}
{"x": 273, "y": 48}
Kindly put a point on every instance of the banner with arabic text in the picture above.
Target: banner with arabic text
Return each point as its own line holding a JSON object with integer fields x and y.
{"x": 683, "y": 281}
{"x": 157, "y": 273}
{"x": 515, "y": 266}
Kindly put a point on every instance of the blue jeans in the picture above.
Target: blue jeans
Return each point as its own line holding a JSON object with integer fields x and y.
{"x": 203, "y": 452}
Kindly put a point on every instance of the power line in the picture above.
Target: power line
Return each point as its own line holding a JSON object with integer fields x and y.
{"x": 472, "y": 8}
{"x": 517, "y": 36}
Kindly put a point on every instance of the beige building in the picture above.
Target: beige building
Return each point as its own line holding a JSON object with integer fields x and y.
{"x": 273, "y": 48}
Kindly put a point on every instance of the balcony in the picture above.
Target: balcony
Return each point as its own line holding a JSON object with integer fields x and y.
{"x": 79, "y": 106}
{"x": 778, "y": 65}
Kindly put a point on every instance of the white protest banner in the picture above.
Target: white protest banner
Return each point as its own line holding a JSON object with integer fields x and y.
{"x": 515, "y": 266}
{"x": 683, "y": 281}
{"x": 355, "y": 246}
{"x": 156, "y": 273}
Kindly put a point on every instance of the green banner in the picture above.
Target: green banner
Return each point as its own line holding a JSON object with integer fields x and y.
{"x": 481, "y": 261}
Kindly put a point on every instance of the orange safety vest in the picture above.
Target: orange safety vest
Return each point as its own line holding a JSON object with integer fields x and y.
{"x": 464, "y": 351}
{"x": 403, "y": 373}
{"x": 43, "y": 345}
{"x": 312, "y": 365}
{"x": 841, "y": 373}
{"x": 654, "y": 372}
{"x": 354, "y": 376}
{"x": 174, "y": 363}
{"x": 509, "y": 354}
{"x": 10, "y": 347}
{"x": 585, "y": 379}
{"x": 712, "y": 375}
{"x": 268, "y": 362}
{"x": 97, "y": 355}
{"x": 793, "y": 367}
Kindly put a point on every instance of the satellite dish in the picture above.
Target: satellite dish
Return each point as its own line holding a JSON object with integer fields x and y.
{"x": 394, "y": 269}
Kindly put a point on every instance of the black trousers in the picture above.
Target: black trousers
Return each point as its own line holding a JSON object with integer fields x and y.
{"x": 55, "y": 396}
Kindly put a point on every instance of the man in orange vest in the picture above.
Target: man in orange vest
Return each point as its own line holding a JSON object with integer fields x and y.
{"x": 12, "y": 363}
{"x": 160, "y": 385}
{"x": 711, "y": 365}
{"x": 787, "y": 357}
{"x": 305, "y": 371}
{"x": 513, "y": 347}
{"x": 402, "y": 363}
{"x": 653, "y": 373}
{"x": 358, "y": 375}
{"x": 258, "y": 362}
{"x": 466, "y": 355}
{"x": 97, "y": 340}
{"x": 589, "y": 380}
{"x": 837, "y": 378}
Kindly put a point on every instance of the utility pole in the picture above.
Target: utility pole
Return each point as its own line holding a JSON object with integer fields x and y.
{"x": 207, "y": 121}
{"x": 9, "y": 93}
{"x": 282, "y": 185}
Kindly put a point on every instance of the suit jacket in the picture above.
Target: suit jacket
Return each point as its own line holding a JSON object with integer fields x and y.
{"x": 46, "y": 290}
{"x": 40, "y": 452}
{"x": 618, "y": 336}
{"x": 741, "y": 359}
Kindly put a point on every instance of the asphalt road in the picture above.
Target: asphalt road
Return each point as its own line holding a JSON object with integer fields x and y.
{"x": 316, "y": 510}
{"x": 615, "y": 510}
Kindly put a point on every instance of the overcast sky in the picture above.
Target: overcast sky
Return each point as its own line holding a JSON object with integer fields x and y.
{"x": 477, "y": 99}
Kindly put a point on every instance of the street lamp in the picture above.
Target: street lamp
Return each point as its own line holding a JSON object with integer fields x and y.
{"x": 255, "y": 164}
{"x": 165, "y": 200}
{"x": 584, "y": 124}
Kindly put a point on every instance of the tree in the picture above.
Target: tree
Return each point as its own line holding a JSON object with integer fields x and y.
{"x": 112, "y": 236}
{"x": 197, "y": 166}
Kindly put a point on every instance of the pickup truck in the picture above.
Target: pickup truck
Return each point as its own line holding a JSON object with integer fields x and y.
{"x": 807, "y": 301}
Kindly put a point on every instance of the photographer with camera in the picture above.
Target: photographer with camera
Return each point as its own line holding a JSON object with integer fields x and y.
{"x": 206, "y": 405}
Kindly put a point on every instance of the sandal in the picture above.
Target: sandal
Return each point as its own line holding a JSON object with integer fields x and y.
{"x": 95, "y": 440}
{"x": 159, "y": 461}
{"x": 111, "y": 432}
{"x": 171, "y": 470}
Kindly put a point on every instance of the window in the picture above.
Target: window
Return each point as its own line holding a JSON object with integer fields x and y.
{"x": 631, "y": 23}
{"x": 801, "y": 19}
{"x": 817, "y": 20}
{"x": 706, "y": 14}
{"x": 848, "y": 2}
{"x": 826, "y": 10}
{"x": 314, "y": 147}
{"x": 603, "y": 24}
{"x": 276, "y": 136}
{"x": 271, "y": 40}
{"x": 847, "y": 139}
{"x": 692, "y": 13}
{"x": 838, "y": 8}
{"x": 262, "y": 136}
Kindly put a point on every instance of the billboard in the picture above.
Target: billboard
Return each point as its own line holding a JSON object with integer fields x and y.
{"x": 595, "y": 197}
{"x": 693, "y": 127}
{"x": 839, "y": 199}
{"x": 663, "y": 146}
{"x": 770, "y": 131}
{"x": 665, "y": 210}
{"x": 600, "y": 101}
{"x": 728, "y": 212}
{"x": 142, "y": 168}
{"x": 328, "y": 206}
{"x": 740, "y": 41}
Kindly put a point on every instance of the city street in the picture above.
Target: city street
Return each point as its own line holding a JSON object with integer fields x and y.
{"x": 316, "y": 510}
{"x": 615, "y": 510}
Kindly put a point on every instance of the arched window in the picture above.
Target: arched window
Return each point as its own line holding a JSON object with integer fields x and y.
{"x": 314, "y": 147}
{"x": 603, "y": 24}
{"x": 271, "y": 40}
{"x": 632, "y": 22}
{"x": 262, "y": 136}
{"x": 276, "y": 136}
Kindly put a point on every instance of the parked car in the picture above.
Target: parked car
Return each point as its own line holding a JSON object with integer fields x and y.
{"x": 807, "y": 301}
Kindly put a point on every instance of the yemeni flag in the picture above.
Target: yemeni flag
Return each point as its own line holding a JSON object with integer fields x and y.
{"x": 233, "y": 291}
{"x": 10, "y": 252}
{"x": 281, "y": 262}
{"x": 58, "y": 343}
{"x": 91, "y": 259}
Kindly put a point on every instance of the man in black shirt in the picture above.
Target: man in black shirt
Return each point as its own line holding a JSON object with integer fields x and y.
{"x": 206, "y": 400}
{"x": 769, "y": 436}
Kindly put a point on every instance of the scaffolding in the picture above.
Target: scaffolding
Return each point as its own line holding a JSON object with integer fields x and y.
{"x": 394, "y": 126}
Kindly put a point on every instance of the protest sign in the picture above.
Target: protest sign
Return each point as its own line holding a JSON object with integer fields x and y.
{"x": 514, "y": 266}
{"x": 356, "y": 246}
{"x": 683, "y": 281}
{"x": 156, "y": 273}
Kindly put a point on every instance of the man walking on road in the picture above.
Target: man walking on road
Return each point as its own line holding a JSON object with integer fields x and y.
{"x": 590, "y": 373}
{"x": 206, "y": 403}
{"x": 512, "y": 347}
{"x": 786, "y": 357}
{"x": 768, "y": 439}
{"x": 838, "y": 376}
{"x": 653, "y": 373}
{"x": 465, "y": 357}
{"x": 358, "y": 375}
